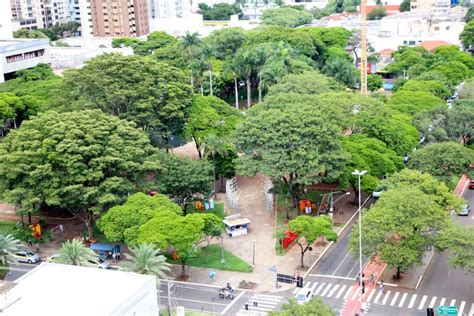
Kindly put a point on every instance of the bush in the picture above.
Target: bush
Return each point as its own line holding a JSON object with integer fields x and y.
{"x": 377, "y": 13}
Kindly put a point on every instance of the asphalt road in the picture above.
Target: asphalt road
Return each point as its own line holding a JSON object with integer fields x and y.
{"x": 19, "y": 269}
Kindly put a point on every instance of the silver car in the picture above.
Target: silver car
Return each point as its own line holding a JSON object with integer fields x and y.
{"x": 465, "y": 210}
{"x": 26, "y": 256}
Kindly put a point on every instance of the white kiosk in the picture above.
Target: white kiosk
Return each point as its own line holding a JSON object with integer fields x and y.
{"x": 236, "y": 225}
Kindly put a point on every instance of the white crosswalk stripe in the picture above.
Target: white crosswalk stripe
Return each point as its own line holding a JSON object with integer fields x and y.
{"x": 341, "y": 291}
{"x": 402, "y": 301}
{"x": 422, "y": 303}
{"x": 371, "y": 295}
{"x": 394, "y": 300}
{"x": 453, "y": 302}
{"x": 412, "y": 301}
{"x": 442, "y": 301}
{"x": 348, "y": 292}
{"x": 433, "y": 300}
{"x": 356, "y": 294}
{"x": 471, "y": 312}
{"x": 461, "y": 308}
{"x": 314, "y": 286}
{"x": 295, "y": 290}
{"x": 333, "y": 290}
{"x": 326, "y": 289}
{"x": 260, "y": 304}
{"x": 319, "y": 288}
{"x": 377, "y": 297}
{"x": 386, "y": 298}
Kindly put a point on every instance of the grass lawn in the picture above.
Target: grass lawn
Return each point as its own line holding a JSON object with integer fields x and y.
{"x": 210, "y": 257}
{"x": 218, "y": 210}
{"x": 8, "y": 227}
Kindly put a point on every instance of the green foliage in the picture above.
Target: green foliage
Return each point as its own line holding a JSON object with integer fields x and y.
{"x": 14, "y": 110}
{"x": 225, "y": 164}
{"x": 121, "y": 222}
{"x": 377, "y": 13}
{"x": 309, "y": 82}
{"x": 368, "y": 154}
{"x": 170, "y": 55}
{"x": 469, "y": 15}
{"x": 291, "y": 137}
{"x": 39, "y": 72}
{"x": 426, "y": 183}
{"x": 374, "y": 82}
{"x": 146, "y": 259}
{"x": 343, "y": 71}
{"x": 406, "y": 57}
{"x": 442, "y": 160}
{"x": 24, "y": 33}
{"x": 459, "y": 241}
{"x": 286, "y": 16}
{"x": 315, "y": 307}
{"x": 414, "y": 102}
{"x": 155, "y": 40}
{"x": 443, "y": 124}
{"x": 405, "y": 6}
{"x": 309, "y": 228}
{"x": 397, "y": 230}
{"x": 82, "y": 161}
{"x": 118, "y": 42}
{"x": 153, "y": 95}
{"x": 226, "y": 42}
{"x": 434, "y": 87}
{"x": 455, "y": 71}
{"x": 330, "y": 36}
{"x": 219, "y": 11}
{"x": 8, "y": 246}
{"x": 467, "y": 91}
{"x": 74, "y": 252}
{"x": 467, "y": 35}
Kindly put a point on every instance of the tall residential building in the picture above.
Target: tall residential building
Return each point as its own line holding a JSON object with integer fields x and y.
{"x": 34, "y": 14}
{"x": 74, "y": 10}
{"x": 114, "y": 18}
{"x": 168, "y": 9}
{"x": 6, "y": 30}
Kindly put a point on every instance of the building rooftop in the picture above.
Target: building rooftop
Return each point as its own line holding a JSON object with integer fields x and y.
{"x": 11, "y": 45}
{"x": 431, "y": 45}
{"x": 389, "y": 8}
{"x": 58, "y": 289}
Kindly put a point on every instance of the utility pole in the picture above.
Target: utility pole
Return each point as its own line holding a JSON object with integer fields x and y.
{"x": 363, "y": 47}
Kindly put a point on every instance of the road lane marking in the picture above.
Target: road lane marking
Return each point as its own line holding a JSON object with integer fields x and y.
{"x": 371, "y": 295}
{"x": 319, "y": 288}
{"x": 377, "y": 297}
{"x": 195, "y": 301}
{"x": 461, "y": 308}
{"x": 333, "y": 290}
{"x": 442, "y": 301}
{"x": 307, "y": 284}
{"x": 412, "y": 301}
{"x": 433, "y": 300}
{"x": 295, "y": 290}
{"x": 402, "y": 301}
{"x": 422, "y": 303}
{"x": 348, "y": 292}
{"x": 340, "y": 291}
{"x": 394, "y": 299}
{"x": 356, "y": 294}
{"x": 331, "y": 277}
{"x": 340, "y": 264}
{"x": 471, "y": 312}
{"x": 314, "y": 286}
{"x": 453, "y": 303}
{"x": 326, "y": 290}
{"x": 386, "y": 298}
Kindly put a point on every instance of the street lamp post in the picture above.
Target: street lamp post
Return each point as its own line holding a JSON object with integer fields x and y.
{"x": 359, "y": 174}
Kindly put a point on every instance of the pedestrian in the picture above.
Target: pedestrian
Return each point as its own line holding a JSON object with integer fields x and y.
{"x": 363, "y": 287}
{"x": 381, "y": 287}
{"x": 372, "y": 278}
{"x": 30, "y": 243}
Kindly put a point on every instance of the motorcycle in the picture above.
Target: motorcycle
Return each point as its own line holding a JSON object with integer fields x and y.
{"x": 225, "y": 293}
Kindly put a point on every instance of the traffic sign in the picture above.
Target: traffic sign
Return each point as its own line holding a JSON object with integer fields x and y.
{"x": 285, "y": 278}
{"x": 447, "y": 310}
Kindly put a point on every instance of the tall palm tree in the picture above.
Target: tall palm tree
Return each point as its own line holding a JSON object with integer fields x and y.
{"x": 342, "y": 70}
{"x": 8, "y": 246}
{"x": 271, "y": 73}
{"x": 190, "y": 44}
{"x": 74, "y": 252}
{"x": 197, "y": 68}
{"x": 259, "y": 58}
{"x": 146, "y": 259}
{"x": 230, "y": 67}
{"x": 244, "y": 61}
{"x": 207, "y": 54}
{"x": 213, "y": 146}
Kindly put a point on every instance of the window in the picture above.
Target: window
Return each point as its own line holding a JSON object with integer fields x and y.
{"x": 447, "y": 28}
{"x": 436, "y": 28}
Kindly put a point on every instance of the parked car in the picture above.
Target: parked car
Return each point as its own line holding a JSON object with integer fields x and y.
{"x": 304, "y": 295}
{"x": 465, "y": 210}
{"x": 376, "y": 194}
{"x": 101, "y": 263}
{"x": 471, "y": 184}
{"x": 26, "y": 256}
{"x": 52, "y": 258}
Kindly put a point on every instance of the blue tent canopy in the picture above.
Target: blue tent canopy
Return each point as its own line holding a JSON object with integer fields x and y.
{"x": 105, "y": 247}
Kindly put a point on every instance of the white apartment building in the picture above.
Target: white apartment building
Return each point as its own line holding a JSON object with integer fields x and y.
{"x": 6, "y": 28}
{"x": 74, "y": 10}
{"x": 36, "y": 14}
{"x": 169, "y": 9}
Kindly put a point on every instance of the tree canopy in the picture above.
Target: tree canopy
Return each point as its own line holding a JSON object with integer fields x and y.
{"x": 314, "y": 307}
{"x": 153, "y": 95}
{"x": 309, "y": 82}
{"x": 414, "y": 102}
{"x": 81, "y": 161}
{"x": 219, "y": 11}
{"x": 286, "y": 16}
{"x": 121, "y": 222}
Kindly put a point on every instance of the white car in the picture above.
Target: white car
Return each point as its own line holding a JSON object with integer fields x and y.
{"x": 376, "y": 194}
{"x": 26, "y": 256}
{"x": 304, "y": 295}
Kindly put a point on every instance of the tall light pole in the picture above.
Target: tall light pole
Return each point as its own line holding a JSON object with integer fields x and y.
{"x": 359, "y": 174}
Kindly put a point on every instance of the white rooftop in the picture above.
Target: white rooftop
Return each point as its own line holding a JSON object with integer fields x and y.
{"x": 57, "y": 289}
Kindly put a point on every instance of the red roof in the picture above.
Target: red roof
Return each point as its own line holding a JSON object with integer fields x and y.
{"x": 432, "y": 45}
{"x": 389, "y": 8}
{"x": 386, "y": 53}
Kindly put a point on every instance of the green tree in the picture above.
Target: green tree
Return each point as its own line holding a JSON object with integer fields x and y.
{"x": 467, "y": 35}
{"x": 244, "y": 61}
{"x": 24, "y": 33}
{"x": 226, "y": 164}
{"x": 343, "y": 71}
{"x": 155, "y": 40}
{"x": 183, "y": 179}
{"x": 406, "y": 57}
{"x": 309, "y": 82}
{"x": 442, "y": 160}
{"x": 331, "y": 36}
{"x": 315, "y": 307}
{"x": 121, "y": 222}
{"x": 286, "y": 16}
{"x": 377, "y": 13}
{"x": 432, "y": 86}
{"x": 405, "y": 6}
{"x": 118, "y": 42}
{"x": 455, "y": 71}
{"x": 219, "y": 11}
{"x": 426, "y": 183}
{"x": 146, "y": 259}
{"x": 83, "y": 162}
{"x": 374, "y": 82}
{"x": 74, "y": 252}
{"x": 308, "y": 229}
{"x": 397, "y": 230}
{"x": 291, "y": 137}
{"x": 8, "y": 246}
{"x": 213, "y": 146}
{"x": 153, "y": 95}
{"x": 14, "y": 110}
{"x": 226, "y": 42}
{"x": 190, "y": 45}
{"x": 414, "y": 102}
{"x": 459, "y": 241}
